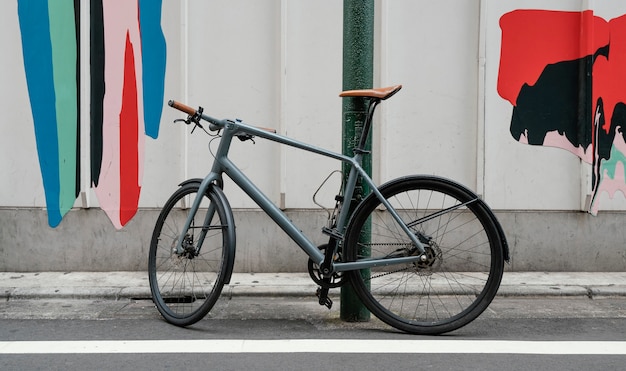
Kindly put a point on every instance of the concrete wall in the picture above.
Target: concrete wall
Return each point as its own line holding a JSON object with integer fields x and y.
{"x": 278, "y": 64}
{"x": 539, "y": 241}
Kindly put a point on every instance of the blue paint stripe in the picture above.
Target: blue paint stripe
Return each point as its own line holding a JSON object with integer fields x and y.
{"x": 37, "y": 51}
{"x": 153, "y": 50}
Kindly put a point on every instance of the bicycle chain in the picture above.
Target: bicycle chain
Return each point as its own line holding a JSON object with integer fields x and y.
{"x": 422, "y": 272}
{"x": 387, "y": 273}
{"x": 388, "y": 244}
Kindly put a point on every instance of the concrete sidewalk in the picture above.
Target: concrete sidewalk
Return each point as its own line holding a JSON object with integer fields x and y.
{"x": 134, "y": 285}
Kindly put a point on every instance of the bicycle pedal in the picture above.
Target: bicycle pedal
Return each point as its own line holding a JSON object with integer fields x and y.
{"x": 324, "y": 300}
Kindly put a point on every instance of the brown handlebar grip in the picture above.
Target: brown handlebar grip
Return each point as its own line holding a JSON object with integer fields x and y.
{"x": 182, "y": 107}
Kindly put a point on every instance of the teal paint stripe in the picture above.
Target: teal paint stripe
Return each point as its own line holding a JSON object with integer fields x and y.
{"x": 154, "y": 54}
{"x": 37, "y": 52}
{"x": 63, "y": 40}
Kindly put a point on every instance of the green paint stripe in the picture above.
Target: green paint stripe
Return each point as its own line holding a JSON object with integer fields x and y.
{"x": 63, "y": 37}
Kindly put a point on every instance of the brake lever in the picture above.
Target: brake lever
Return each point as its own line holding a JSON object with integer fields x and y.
{"x": 197, "y": 124}
{"x": 195, "y": 119}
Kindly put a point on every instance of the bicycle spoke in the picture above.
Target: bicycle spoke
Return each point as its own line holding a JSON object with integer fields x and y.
{"x": 187, "y": 279}
{"x": 456, "y": 280}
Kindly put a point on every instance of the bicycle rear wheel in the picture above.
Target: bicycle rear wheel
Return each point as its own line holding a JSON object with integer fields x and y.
{"x": 185, "y": 285}
{"x": 464, "y": 248}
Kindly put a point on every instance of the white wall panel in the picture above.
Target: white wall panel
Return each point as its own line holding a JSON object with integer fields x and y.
{"x": 312, "y": 61}
{"x": 21, "y": 184}
{"x": 233, "y": 67}
{"x": 430, "y": 125}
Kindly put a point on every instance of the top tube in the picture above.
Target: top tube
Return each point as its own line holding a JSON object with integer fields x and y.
{"x": 240, "y": 126}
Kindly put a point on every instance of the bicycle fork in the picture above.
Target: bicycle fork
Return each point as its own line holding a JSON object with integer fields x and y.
{"x": 202, "y": 189}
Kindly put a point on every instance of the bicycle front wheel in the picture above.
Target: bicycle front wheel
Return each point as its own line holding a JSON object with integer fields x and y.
{"x": 186, "y": 283}
{"x": 464, "y": 250}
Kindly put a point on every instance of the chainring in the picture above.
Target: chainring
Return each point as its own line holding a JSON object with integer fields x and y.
{"x": 336, "y": 279}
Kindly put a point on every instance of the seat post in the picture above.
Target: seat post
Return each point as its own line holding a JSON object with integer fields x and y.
{"x": 368, "y": 123}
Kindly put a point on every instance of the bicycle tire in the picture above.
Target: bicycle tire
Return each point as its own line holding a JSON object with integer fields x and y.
{"x": 465, "y": 255}
{"x": 185, "y": 287}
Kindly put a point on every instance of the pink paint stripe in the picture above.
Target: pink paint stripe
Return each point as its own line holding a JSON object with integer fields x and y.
{"x": 120, "y": 19}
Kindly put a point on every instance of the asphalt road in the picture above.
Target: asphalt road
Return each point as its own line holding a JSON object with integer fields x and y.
{"x": 269, "y": 333}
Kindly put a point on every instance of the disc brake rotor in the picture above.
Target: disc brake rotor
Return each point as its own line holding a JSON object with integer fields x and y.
{"x": 433, "y": 260}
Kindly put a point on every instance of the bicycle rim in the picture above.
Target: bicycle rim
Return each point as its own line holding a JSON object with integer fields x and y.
{"x": 464, "y": 263}
{"x": 185, "y": 285}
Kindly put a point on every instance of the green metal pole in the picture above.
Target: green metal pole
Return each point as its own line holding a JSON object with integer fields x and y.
{"x": 358, "y": 73}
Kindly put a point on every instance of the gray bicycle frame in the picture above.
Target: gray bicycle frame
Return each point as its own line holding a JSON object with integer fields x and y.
{"x": 223, "y": 164}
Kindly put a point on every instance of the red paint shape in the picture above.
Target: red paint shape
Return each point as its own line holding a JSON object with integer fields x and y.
{"x": 532, "y": 39}
{"x": 129, "y": 139}
{"x": 609, "y": 74}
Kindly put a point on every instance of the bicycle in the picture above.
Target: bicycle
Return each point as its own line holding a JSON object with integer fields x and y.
{"x": 424, "y": 254}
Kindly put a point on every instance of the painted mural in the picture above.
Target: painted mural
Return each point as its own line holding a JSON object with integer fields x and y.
{"x": 50, "y": 49}
{"x": 127, "y": 72}
{"x": 563, "y": 73}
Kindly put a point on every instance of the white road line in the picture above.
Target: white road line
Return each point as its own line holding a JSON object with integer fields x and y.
{"x": 316, "y": 346}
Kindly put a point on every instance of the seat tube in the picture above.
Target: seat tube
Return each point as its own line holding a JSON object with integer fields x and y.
{"x": 348, "y": 192}
{"x": 356, "y": 169}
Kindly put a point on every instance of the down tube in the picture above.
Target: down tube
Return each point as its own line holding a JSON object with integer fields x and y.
{"x": 270, "y": 209}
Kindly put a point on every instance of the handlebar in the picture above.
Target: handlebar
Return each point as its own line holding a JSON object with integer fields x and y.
{"x": 196, "y": 114}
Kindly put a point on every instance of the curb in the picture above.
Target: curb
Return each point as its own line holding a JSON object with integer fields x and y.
{"x": 134, "y": 285}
